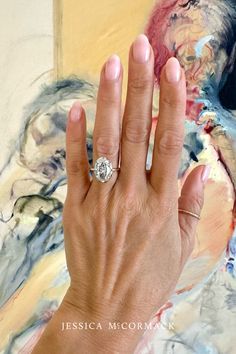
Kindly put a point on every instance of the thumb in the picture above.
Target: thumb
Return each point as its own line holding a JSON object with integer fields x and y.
{"x": 191, "y": 200}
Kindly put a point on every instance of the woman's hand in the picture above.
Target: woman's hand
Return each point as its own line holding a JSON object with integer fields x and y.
{"x": 126, "y": 242}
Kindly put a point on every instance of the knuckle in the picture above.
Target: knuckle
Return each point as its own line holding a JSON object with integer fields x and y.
{"x": 74, "y": 166}
{"x": 107, "y": 145}
{"x": 96, "y": 213}
{"x": 138, "y": 85}
{"x": 170, "y": 143}
{"x": 75, "y": 141}
{"x": 172, "y": 102}
{"x": 152, "y": 207}
{"x": 136, "y": 131}
{"x": 130, "y": 204}
{"x": 196, "y": 201}
{"x": 167, "y": 207}
{"x": 108, "y": 99}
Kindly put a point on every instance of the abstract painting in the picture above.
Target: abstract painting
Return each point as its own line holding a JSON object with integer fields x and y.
{"x": 52, "y": 53}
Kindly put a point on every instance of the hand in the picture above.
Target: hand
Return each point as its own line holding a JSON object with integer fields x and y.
{"x": 126, "y": 242}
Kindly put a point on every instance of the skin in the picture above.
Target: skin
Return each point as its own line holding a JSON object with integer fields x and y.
{"x": 125, "y": 241}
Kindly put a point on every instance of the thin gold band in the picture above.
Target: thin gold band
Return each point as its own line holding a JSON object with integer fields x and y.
{"x": 189, "y": 213}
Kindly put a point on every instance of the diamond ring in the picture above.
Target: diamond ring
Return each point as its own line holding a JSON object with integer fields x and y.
{"x": 103, "y": 169}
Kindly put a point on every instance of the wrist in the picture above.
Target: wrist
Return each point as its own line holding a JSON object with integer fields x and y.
{"x": 100, "y": 332}
{"x": 70, "y": 329}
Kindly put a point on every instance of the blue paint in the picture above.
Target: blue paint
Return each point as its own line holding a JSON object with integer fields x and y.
{"x": 201, "y": 44}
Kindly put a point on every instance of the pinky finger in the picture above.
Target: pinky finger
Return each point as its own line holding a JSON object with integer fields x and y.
{"x": 192, "y": 200}
{"x": 77, "y": 164}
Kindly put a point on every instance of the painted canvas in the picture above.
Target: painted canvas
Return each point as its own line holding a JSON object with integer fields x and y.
{"x": 51, "y": 55}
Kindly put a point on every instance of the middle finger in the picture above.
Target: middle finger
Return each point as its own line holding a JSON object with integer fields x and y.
{"x": 138, "y": 112}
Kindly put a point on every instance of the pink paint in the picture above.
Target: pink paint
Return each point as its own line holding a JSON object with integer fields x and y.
{"x": 156, "y": 30}
{"x": 163, "y": 309}
{"x": 33, "y": 340}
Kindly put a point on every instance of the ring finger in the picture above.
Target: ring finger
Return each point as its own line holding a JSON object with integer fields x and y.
{"x": 106, "y": 134}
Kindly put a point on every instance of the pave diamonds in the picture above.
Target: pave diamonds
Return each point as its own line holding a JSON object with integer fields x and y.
{"x": 103, "y": 169}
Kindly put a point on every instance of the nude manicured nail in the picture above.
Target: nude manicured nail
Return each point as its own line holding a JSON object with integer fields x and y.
{"x": 75, "y": 112}
{"x": 173, "y": 70}
{"x": 112, "y": 68}
{"x": 141, "y": 49}
{"x": 206, "y": 173}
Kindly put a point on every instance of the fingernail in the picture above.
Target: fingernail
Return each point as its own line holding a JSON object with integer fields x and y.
{"x": 112, "y": 68}
{"x": 141, "y": 49}
{"x": 173, "y": 70}
{"x": 205, "y": 173}
{"x": 75, "y": 112}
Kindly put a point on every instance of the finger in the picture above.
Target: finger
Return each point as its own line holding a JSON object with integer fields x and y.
{"x": 77, "y": 165}
{"x": 169, "y": 135}
{"x": 138, "y": 111}
{"x": 106, "y": 134}
{"x": 191, "y": 199}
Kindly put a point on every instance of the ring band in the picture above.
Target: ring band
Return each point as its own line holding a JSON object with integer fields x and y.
{"x": 103, "y": 169}
{"x": 183, "y": 211}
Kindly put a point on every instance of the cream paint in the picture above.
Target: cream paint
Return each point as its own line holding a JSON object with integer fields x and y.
{"x": 16, "y": 313}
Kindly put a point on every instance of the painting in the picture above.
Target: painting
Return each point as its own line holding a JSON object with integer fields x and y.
{"x": 52, "y": 53}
